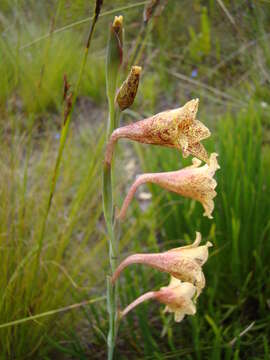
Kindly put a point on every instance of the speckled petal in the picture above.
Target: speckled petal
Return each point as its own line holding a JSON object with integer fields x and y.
{"x": 197, "y": 132}
{"x": 183, "y": 143}
{"x": 198, "y": 150}
{"x": 190, "y": 109}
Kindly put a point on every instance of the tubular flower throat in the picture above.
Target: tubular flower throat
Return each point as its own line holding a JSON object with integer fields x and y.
{"x": 177, "y": 297}
{"x": 183, "y": 263}
{"x": 177, "y": 128}
{"x": 195, "y": 182}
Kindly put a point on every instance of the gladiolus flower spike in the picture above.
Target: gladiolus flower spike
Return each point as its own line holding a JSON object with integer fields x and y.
{"x": 195, "y": 182}
{"x": 176, "y": 128}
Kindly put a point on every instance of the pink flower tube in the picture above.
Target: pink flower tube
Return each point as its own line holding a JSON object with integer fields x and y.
{"x": 194, "y": 182}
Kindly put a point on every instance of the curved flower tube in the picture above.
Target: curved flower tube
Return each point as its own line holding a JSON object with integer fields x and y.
{"x": 177, "y": 128}
{"x": 183, "y": 263}
{"x": 193, "y": 182}
{"x": 177, "y": 297}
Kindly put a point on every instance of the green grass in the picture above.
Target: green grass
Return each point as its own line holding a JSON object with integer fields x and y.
{"x": 234, "y": 74}
{"x": 73, "y": 261}
{"x": 65, "y": 275}
{"x": 31, "y": 92}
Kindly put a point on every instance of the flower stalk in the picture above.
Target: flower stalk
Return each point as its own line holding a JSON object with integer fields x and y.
{"x": 118, "y": 100}
{"x": 113, "y": 62}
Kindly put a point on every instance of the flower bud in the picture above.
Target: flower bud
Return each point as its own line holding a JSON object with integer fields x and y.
{"x": 128, "y": 90}
{"x": 114, "y": 55}
{"x": 176, "y": 128}
{"x": 193, "y": 182}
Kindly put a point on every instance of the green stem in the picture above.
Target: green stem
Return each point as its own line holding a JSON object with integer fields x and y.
{"x": 112, "y": 291}
{"x": 113, "y": 251}
{"x": 113, "y": 63}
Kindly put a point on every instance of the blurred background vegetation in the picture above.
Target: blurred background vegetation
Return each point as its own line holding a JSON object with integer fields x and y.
{"x": 216, "y": 50}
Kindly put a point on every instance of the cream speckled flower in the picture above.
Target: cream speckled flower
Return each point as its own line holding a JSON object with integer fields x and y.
{"x": 177, "y": 297}
{"x": 177, "y": 128}
{"x": 195, "y": 182}
{"x": 184, "y": 263}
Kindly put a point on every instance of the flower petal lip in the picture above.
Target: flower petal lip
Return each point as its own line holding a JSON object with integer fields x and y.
{"x": 197, "y": 150}
{"x": 194, "y": 251}
{"x": 185, "y": 291}
{"x": 195, "y": 182}
{"x": 176, "y": 128}
{"x": 196, "y": 132}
